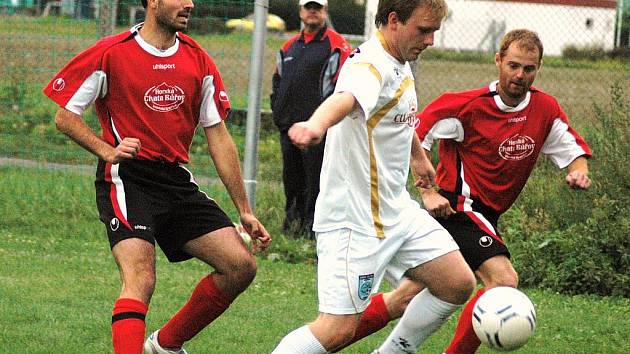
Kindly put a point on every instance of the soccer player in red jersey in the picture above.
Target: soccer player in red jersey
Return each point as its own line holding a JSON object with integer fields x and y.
{"x": 151, "y": 87}
{"x": 490, "y": 140}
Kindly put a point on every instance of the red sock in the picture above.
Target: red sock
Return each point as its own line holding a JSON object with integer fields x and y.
{"x": 128, "y": 326}
{"x": 373, "y": 319}
{"x": 465, "y": 340}
{"x": 206, "y": 303}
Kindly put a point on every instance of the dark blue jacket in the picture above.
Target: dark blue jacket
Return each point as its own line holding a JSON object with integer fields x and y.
{"x": 305, "y": 75}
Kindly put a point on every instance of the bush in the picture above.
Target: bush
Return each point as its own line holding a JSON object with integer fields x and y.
{"x": 620, "y": 53}
{"x": 288, "y": 11}
{"x": 346, "y": 16}
{"x": 206, "y": 25}
{"x": 577, "y": 242}
{"x": 590, "y": 52}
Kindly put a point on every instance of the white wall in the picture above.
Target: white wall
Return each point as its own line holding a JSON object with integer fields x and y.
{"x": 479, "y": 25}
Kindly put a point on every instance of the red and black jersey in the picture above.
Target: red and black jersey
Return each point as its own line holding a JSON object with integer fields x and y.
{"x": 306, "y": 73}
{"x": 493, "y": 159}
{"x": 141, "y": 92}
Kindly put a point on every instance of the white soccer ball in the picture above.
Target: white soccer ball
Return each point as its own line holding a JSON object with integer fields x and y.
{"x": 504, "y": 318}
{"x": 244, "y": 235}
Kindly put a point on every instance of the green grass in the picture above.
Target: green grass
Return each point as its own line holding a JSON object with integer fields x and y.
{"x": 59, "y": 282}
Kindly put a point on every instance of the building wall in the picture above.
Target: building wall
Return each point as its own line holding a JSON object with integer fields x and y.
{"x": 479, "y": 25}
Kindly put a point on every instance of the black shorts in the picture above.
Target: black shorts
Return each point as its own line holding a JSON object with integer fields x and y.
{"x": 155, "y": 201}
{"x": 475, "y": 232}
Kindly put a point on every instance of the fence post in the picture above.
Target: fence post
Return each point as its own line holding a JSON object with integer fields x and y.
{"x": 261, "y": 8}
{"x": 108, "y": 10}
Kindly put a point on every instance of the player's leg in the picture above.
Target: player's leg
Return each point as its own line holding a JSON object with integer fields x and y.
{"x": 123, "y": 205}
{"x": 349, "y": 266}
{"x": 383, "y": 308}
{"x": 197, "y": 227}
{"x": 449, "y": 283}
{"x": 136, "y": 263}
{"x": 432, "y": 259}
{"x": 486, "y": 253}
{"x": 321, "y": 336}
{"x": 496, "y": 271}
{"x": 234, "y": 269}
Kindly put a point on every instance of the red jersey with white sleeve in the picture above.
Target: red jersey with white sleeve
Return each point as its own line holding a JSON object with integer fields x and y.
{"x": 139, "y": 91}
{"x": 489, "y": 149}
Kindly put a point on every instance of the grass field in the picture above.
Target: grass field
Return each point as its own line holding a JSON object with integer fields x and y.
{"x": 59, "y": 279}
{"x": 59, "y": 282}
{"x": 36, "y": 48}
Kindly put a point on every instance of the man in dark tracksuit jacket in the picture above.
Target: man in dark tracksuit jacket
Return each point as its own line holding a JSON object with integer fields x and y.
{"x": 306, "y": 71}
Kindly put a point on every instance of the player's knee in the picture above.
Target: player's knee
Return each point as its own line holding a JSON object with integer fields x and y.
{"x": 139, "y": 284}
{"x": 464, "y": 288}
{"x": 461, "y": 287}
{"x": 244, "y": 272}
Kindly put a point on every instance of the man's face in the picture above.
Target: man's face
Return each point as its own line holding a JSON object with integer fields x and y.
{"x": 414, "y": 36}
{"x": 173, "y": 15}
{"x": 517, "y": 72}
{"x": 313, "y": 15}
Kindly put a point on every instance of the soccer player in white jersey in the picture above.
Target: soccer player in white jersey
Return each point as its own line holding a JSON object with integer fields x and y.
{"x": 152, "y": 86}
{"x": 490, "y": 140}
{"x": 365, "y": 220}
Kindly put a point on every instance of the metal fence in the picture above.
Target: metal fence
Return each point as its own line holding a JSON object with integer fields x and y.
{"x": 38, "y": 37}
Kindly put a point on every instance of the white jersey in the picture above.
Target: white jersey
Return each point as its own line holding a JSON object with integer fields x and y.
{"x": 366, "y": 158}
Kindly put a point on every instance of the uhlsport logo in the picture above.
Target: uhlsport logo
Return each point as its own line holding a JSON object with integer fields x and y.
{"x": 516, "y": 147}
{"x": 365, "y": 285}
{"x": 485, "y": 241}
{"x": 59, "y": 84}
{"x": 164, "y": 97}
{"x": 114, "y": 223}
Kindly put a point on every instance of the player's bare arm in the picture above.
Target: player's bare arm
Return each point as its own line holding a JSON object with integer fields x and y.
{"x": 72, "y": 125}
{"x": 329, "y": 113}
{"x": 421, "y": 166}
{"x": 225, "y": 157}
{"x": 577, "y": 177}
{"x": 424, "y": 174}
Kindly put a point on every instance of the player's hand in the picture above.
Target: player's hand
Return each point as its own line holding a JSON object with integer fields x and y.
{"x": 303, "y": 135}
{"x": 256, "y": 230}
{"x": 436, "y": 204}
{"x": 578, "y": 180}
{"x": 127, "y": 149}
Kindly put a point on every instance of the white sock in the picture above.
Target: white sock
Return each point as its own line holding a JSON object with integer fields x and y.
{"x": 300, "y": 341}
{"x": 424, "y": 315}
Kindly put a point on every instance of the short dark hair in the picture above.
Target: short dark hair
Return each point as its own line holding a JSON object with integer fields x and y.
{"x": 404, "y": 9}
{"x": 144, "y": 3}
{"x": 525, "y": 39}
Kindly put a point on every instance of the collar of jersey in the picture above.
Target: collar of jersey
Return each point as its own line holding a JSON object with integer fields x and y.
{"x": 151, "y": 49}
{"x": 502, "y": 106}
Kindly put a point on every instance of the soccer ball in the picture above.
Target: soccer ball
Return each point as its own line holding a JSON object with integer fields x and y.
{"x": 504, "y": 318}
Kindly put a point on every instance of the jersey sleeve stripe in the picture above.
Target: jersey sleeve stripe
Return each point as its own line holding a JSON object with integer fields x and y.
{"x": 87, "y": 93}
{"x": 562, "y": 146}
{"x": 372, "y": 69}
{"x": 208, "y": 113}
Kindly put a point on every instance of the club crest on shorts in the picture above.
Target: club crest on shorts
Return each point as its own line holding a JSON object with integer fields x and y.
{"x": 114, "y": 224}
{"x": 485, "y": 241}
{"x": 365, "y": 285}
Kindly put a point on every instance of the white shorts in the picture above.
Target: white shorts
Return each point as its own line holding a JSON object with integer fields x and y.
{"x": 351, "y": 265}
